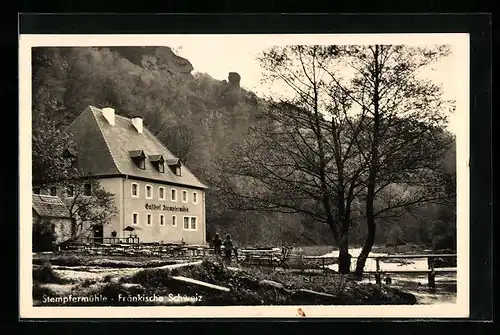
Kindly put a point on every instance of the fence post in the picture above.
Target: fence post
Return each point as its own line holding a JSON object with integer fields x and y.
{"x": 431, "y": 276}
{"x": 378, "y": 278}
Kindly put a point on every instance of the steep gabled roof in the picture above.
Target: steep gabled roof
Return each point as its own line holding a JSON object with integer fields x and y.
{"x": 49, "y": 206}
{"x": 105, "y": 149}
{"x": 94, "y": 157}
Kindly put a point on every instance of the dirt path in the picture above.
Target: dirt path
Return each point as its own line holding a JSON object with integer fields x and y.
{"x": 80, "y": 273}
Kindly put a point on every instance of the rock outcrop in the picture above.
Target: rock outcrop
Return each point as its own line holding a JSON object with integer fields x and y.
{"x": 161, "y": 58}
{"x": 234, "y": 79}
{"x": 231, "y": 91}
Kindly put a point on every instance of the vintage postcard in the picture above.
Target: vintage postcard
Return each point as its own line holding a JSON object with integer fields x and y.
{"x": 225, "y": 176}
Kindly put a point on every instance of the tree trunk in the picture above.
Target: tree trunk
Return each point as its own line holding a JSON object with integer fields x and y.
{"x": 344, "y": 216}
{"x": 372, "y": 176}
{"x": 344, "y": 256}
{"x": 370, "y": 222}
{"x": 73, "y": 228}
{"x": 370, "y": 239}
{"x": 342, "y": 242}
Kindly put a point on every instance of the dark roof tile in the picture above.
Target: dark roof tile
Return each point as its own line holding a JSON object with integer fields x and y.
{"x": 94, "y": 157}
{"x": 49, "y": 206}
{"x": 105, "y": 149}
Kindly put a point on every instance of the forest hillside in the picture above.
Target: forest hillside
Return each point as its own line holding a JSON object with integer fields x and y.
{"x": 200, "y": 119}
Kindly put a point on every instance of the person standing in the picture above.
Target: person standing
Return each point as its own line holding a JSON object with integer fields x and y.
{"x": 217, "y": 243}
{"x": 228, "y": 248}
{"x": 235, "y": 249}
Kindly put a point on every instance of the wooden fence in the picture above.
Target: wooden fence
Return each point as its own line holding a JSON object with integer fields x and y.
{"x": 109, "y": 240}
{"x": 431, "y": 270}
{"x": 276, "y": 257}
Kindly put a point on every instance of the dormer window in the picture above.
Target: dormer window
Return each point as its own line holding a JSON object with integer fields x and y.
{"x": 175, "y": 166}
{"x": 139, "y": 158}
{"x": 159, "y": 162}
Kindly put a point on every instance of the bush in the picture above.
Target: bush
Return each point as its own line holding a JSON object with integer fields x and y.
{"x": 209, "y": 271}
{"x": 45, "y": 274}
{"x": 61, "y": 260}
{"x": 445, "y": 242}
{"x": 88, "y": 282}
{"x": 39, "y": 292}
{"x": 151, "y": 278}
{"x": 43, "y": 236}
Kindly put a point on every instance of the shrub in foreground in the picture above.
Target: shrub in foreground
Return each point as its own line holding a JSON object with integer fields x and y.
{"x": 39, "y": 292}
{"x": 46, "y": 274}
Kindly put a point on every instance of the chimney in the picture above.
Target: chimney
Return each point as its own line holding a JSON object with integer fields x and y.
{"x": 137, "y": 122}
{"x": 109, "y": 115}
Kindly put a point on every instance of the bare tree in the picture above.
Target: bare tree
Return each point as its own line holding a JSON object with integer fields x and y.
{"x": 303, "y": 159}
{"x": 89, "y": 204}
{"x": 402, "y": 136}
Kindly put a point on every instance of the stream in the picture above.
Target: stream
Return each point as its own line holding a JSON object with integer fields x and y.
{"x": 416, "y": 284}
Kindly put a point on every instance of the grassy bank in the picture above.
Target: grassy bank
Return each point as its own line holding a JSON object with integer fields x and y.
{"x": 108, "y": 261}
{"x": 248, "y": 286}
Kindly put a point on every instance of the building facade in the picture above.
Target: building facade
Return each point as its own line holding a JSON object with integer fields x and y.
{"x": 52, "y": 211}
{"x": 158, "y": 198}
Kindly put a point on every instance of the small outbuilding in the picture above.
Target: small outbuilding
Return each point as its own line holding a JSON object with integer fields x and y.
{"x": 53, "y": 211}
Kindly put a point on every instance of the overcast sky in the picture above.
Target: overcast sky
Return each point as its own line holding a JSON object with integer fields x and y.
{"x": 219, "y": 61}
{"x": 219, "y": 55}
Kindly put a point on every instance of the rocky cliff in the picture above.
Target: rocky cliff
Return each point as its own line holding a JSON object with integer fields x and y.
{"x": 161, "y": 58}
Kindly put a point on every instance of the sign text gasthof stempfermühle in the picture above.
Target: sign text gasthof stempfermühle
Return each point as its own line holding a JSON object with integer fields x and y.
{"x": 164, "y": 207}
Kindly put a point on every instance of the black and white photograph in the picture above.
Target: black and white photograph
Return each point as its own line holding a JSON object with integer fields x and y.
{"x": 244, "y": 175}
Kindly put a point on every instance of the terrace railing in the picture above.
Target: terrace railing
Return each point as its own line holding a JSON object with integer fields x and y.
{"x": 109, "y": 240}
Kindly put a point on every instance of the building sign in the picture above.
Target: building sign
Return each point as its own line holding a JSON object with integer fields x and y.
{"x": 153, "y": 207}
